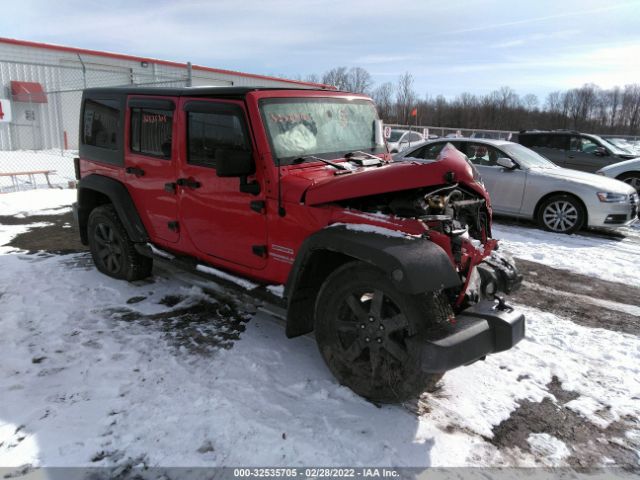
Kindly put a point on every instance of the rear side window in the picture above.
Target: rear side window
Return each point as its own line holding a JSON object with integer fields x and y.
{"x": 151, "y": 132}
{"x": 429, "y": 152}
{"x": 100, "y": 123}
{"x": 549, "y": 141}
{"x": 208, "y": 131}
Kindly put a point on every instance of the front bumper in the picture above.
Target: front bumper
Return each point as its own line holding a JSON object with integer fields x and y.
{"x": 487, "y": 327}
{"x": 604, "y": 214}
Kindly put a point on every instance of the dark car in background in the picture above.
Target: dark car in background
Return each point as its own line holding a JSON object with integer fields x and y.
{"x": 575, "y": 150}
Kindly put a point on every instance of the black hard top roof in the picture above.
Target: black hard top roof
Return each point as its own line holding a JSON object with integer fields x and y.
{"x": 188, "y": 91}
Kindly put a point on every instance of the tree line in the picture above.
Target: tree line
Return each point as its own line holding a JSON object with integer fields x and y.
{"x": 588, "y": 108}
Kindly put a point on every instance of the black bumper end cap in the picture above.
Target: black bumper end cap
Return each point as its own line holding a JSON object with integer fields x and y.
{"x": 479, "y": 331}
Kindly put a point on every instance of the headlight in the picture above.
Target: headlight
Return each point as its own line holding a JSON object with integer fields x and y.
{"x": 612, "y": 197}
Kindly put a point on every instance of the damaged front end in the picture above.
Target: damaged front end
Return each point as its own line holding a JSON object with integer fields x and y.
{"x": 458, "y": 219}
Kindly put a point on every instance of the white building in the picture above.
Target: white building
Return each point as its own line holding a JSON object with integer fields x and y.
{"x": 41, "y": 85}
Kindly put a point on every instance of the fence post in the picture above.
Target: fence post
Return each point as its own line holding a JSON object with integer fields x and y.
{"x": 189, "y": 75}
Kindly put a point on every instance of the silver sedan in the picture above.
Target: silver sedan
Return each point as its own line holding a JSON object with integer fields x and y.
{"x": 524, "y": 184}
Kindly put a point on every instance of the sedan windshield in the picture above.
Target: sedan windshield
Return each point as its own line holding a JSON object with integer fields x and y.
{"x": 618, "y": 150}
{"x": 321, "y": 127}
{"x": 526, "y": 157}
{"x": 395, "y": 135}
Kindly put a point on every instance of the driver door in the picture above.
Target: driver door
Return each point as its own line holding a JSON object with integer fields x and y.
{"x": 215, "y": 214}
{"x": 505, "y": 186}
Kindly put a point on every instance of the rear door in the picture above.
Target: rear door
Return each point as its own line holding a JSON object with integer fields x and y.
{"x": 550, "y": 145}
{"x": 150, "y": 162}
{"x": 216, "y": 215}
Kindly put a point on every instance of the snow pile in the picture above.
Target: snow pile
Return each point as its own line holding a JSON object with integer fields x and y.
{"x": 551, "y": 450}
{"x": 608, "y": 258}
{"x": 42, "y": 202}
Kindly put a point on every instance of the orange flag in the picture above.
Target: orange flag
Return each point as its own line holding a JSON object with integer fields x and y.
{"x": 414, "y": 112}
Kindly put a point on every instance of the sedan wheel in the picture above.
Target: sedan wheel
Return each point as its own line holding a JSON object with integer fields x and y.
{"x": 632, "y": 179}
{"x": 561, "y": 214}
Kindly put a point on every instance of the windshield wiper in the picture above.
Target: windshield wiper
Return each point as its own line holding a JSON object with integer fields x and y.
{"x": 339, "y": 166}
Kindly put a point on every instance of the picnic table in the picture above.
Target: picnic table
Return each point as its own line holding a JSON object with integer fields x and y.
{"x": 31, "y": 175}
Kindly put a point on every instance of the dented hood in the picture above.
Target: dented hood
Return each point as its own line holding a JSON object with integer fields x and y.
{"x": 393, "y": 177}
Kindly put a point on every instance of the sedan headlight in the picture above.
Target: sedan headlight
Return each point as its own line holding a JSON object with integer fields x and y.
{"x": 612, "y": 197}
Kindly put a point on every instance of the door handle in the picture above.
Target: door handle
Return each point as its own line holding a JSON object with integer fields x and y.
{"x": 138, "y": 172}
{"x": 188, "y": 182}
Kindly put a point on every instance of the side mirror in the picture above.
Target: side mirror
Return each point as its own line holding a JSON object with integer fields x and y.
{"x": 506, "y": 163}
{"x": 234, "y": 163}
{"x": 379, "y": 132}
{"x": 601, "y": 152}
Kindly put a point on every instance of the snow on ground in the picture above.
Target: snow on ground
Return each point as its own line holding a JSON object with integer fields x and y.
{"x": 31, "y": 160}
{"x": 42, "y": 202}
{"x": 102, "y": 372}
{"x": 606, "y": 257}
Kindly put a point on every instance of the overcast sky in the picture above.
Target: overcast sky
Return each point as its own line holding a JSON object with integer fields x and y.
{"x": 449, "y": 46}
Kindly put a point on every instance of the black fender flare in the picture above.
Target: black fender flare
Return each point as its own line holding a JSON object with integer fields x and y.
{"x": 415, "y": 265}
{"x": 118, "y": 195}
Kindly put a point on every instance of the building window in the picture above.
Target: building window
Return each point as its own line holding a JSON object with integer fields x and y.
{"x": 151, "y": 132}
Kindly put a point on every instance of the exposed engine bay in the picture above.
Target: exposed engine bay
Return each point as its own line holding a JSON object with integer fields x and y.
{"x": 450, "y": 209}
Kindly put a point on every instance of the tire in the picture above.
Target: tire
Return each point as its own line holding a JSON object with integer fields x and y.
{"x": 370, "y": 334}
{"x": 632, "y": 178}
{"x": 113, "y": 253}
{"x": 561, "y": 214}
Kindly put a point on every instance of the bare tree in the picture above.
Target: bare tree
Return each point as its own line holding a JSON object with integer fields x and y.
{"x": 338, "y": 77}
{"x": 358, "y": 80}
{"x": 405, "y": 97}
{"x": 383, "y": 96}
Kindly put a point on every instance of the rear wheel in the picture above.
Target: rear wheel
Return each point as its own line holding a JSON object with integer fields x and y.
{"x": 632, "y": 178}
{"x": 561, "y": 214}
{"x": 113, "y": 253}
{"x": 370, "y": 334}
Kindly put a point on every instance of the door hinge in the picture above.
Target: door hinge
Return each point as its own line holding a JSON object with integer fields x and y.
{"x": 138, "y": 172}
{"x": 258, "y": 206}
{"x": 260, "y": 250}
{"x": 174, "y": 226}
{"x": 170, "y": 187}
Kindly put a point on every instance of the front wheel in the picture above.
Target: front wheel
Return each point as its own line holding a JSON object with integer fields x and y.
{"x": 632, "y": 178}
{"x": 370, "y": 334}
{"x": 561, "y": 214}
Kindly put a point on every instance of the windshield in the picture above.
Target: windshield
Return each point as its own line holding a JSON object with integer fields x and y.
{"x": 613, "y": 147}
{"x": 395, "y": 135}
{"x": 526, "y": 157}
{"x": 323, "y": 127}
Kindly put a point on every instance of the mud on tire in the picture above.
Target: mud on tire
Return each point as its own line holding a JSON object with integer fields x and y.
{"x": 370, "y": 334}
{"x": 113, "y": 253}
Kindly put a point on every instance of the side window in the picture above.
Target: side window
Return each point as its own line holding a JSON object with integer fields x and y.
{"x": 414, "y": 137}
{"x": 429, "y": 152}
{"x": 558, "y": 142}
{"x": 100, "y": 123}
{"x": 208, "y": 132}
{"x": 481, "y": 154}
{"x": 588, "y": 145}
{"x": 151, "y": 132}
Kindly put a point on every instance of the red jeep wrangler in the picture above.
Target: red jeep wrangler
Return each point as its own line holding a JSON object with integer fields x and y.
{"x": 392, "y": 265}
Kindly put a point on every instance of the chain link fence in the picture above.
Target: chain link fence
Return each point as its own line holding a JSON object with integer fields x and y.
{"x": 41, "y": 113}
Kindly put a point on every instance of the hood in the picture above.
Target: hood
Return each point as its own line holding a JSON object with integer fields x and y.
{"x": 392, "y": 177}
{"x": 627, "y": 156}
{"x": 597, "y": 181}
{"x": 627, "y": 164}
